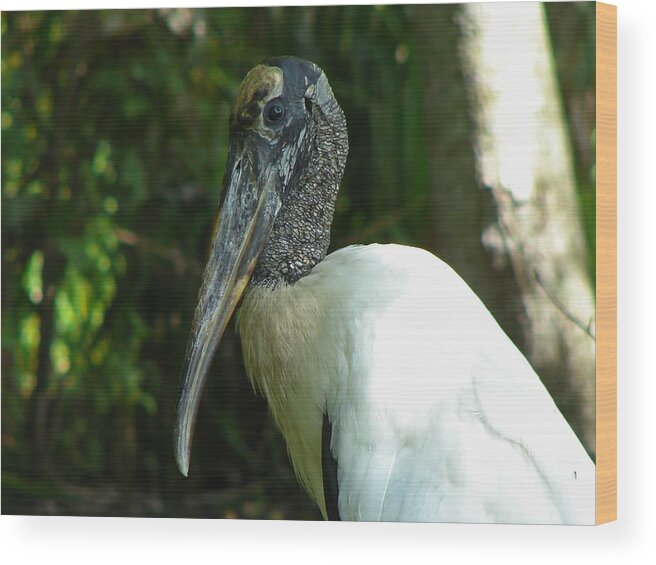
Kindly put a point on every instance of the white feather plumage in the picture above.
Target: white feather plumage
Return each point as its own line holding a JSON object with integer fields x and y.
{"x": 436, "y": 415}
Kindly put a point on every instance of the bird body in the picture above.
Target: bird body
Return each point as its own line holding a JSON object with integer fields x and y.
{"x": 436, "y": 414}
{"x": 399, "y": 396}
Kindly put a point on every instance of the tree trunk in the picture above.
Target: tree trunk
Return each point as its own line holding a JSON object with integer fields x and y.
{"x": 507, "y": 212}
{"x": 462, "y": 209}
{"x": 524, "y": 159}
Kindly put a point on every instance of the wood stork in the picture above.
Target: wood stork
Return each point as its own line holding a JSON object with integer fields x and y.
{"x": 399, "y": 396}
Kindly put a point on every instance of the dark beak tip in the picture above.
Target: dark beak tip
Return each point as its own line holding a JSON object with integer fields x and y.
{"x": 182, "y": 455}
{"x": 183, "y": 465}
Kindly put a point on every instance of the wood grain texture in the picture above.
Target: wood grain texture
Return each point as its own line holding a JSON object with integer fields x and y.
{"x": 606, "y": 396}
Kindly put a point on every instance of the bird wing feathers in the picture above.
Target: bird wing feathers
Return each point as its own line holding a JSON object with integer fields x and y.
{"x": 436, "y": 416}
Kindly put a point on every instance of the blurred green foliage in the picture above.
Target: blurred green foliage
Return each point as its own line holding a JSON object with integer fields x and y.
{"x": 113, "y": 145}
{"x": 572, "y": 30}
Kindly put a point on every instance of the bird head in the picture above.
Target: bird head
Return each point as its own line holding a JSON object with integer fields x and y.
{"x": 286, "y": 156}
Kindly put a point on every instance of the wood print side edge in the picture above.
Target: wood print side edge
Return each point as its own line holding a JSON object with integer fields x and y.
{"x": 606, "y": 254}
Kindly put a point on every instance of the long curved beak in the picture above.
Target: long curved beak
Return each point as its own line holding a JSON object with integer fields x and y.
{"x": 250, "y": 206}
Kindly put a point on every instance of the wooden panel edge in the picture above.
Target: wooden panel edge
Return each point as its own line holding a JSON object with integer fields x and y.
{"x": 606, "y": 252}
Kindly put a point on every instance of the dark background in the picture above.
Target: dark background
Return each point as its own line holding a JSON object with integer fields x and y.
{"x": 114, "y": 130}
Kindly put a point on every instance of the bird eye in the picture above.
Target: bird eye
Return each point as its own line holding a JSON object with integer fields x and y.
{"x": 275, "y": 111}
